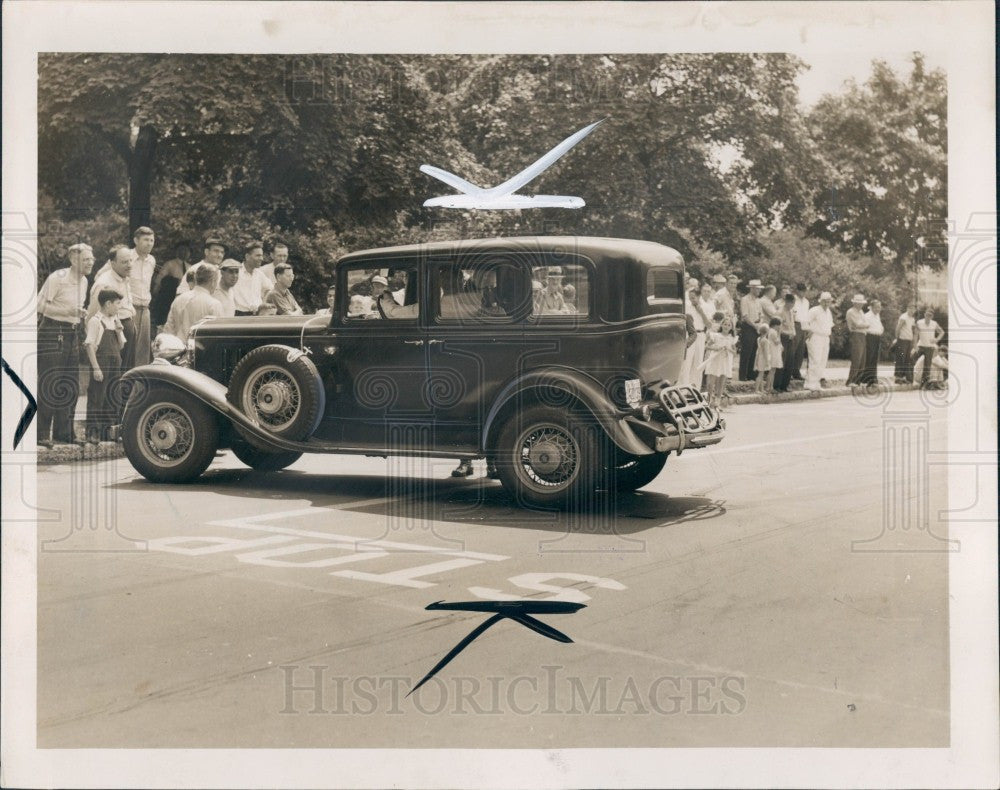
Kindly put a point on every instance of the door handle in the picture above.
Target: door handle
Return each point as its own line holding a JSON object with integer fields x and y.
{"x": 414, "y": 342}
{"x": 434, "y": 342}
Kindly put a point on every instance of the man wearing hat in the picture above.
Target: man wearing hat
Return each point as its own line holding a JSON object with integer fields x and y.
{"x": 229, "y": 273}
{"x": 857, "y": 327}
{"x": 690, "y": 374}
{"x": 552, "y": 300}
{"x": 724, "y": 301}
{"x": 819, "y": 325}
{"x": 751, "y": 314}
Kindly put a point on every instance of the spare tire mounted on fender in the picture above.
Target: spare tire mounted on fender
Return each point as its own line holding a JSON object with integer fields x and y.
{"x": 280, "y": 388}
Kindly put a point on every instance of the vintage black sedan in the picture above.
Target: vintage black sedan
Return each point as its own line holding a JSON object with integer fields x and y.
{"x": 552, "y": 357}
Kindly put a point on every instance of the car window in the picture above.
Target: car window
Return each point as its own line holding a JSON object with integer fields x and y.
{"x": 663, "y": 289}
{"x": 560, "y": 290}
{"x": 386, "y": 293}
{"x": 483, "y": 291}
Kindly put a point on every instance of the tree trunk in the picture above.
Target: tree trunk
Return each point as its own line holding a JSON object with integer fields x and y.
{"x": 140, "y": 178}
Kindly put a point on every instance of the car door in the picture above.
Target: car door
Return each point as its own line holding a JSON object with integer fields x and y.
{"x": 381, "y": 369}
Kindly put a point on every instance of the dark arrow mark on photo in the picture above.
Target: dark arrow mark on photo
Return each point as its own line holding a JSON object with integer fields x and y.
{"x": 29, "y": 412}
{"x": 518, "y": 611}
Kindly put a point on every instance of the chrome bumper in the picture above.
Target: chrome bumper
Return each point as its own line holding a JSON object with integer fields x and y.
{"x": 694, "y": 423}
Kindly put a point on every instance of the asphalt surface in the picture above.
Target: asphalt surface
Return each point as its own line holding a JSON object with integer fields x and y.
{"x": 788, "y": 587}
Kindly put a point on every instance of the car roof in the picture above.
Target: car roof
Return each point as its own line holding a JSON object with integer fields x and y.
{"x": 591, "y": 246}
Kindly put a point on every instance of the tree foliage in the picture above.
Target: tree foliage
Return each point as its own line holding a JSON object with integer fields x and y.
{"x": 885, "y": 147}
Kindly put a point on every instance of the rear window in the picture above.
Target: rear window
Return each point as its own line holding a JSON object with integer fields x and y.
{"x": 664, "y": 289}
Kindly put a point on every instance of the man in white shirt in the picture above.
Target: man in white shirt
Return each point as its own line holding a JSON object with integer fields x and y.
{"x": 214, "y": 253}
{"x": 198, "y": 303}
{"x": 801, "y": 311}
{"x": 903, "y": 372}
{"x": 117, "y": 277}
{"x": 251, "y": 287}
{"x": 229, "y": 273}
{"x": 819, "y": 325}
{"x": 695, "y": 354}
{"x": 724, "y": 301}
{"x": 751, "y": 314}
{"x": 141, "y": 279}
{"x": 279, "y": 256}
{"x": 140, "y": 282}
{"x": 929, "y": 334}
{"x": 60, "y": 310}
{"x": 873, "y": 342}
{"x": 857, "y": 326}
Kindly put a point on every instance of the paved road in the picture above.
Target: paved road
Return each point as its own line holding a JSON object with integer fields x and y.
{"x": 750, "y": 596}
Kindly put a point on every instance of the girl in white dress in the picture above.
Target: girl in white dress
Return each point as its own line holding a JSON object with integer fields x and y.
{"x": 721, "y": 353}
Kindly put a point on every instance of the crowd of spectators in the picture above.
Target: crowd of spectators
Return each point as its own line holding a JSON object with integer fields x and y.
{"x": 765, "y": 338}
{"x": 107, "y": 319}
{"x": 109, "y": 324}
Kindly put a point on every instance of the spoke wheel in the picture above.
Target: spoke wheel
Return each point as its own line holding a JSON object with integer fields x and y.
{"x": 636, "y": 471}
{"x": 169, "y": 435}
{"x": 548, "y": 457}
{"x": 280, "y": 388}
{"x": 273, "y": 396}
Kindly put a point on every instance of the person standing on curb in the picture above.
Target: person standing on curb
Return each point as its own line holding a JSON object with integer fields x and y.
{"x": 819, "y": 325}
{"x": 799, "y": 347}
{"x": 60, "y": 310}
{"x": 788, "y": 333}
{"x": 873, "y": 343}
{"x": 903, "y": 371}
{"x": 104, "y": 343}
{"x": 929, "y": 334}
{"x": 857, "y": 326}
{"x": 751, "y": 314}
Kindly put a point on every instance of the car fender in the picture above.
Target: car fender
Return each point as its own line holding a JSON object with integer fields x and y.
{"x": 557, "y": 386}
{"x": 210, "y": 392}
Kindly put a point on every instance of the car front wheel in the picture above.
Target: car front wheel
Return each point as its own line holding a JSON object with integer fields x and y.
{"x": 635, "y": 471}
{"x": 548, "y": 457}
{"x": 169, "y": 436}
{"x": 262, "y": 460}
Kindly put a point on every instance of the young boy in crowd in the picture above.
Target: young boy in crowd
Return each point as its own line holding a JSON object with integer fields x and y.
{"x": 774, "y": 335}
{"x": 105, "y": 339}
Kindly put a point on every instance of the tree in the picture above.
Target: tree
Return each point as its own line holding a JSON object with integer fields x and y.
{"x": 705, "y": 146}
{"x": 885, "y": 146}
{"x": 136, "y": 104}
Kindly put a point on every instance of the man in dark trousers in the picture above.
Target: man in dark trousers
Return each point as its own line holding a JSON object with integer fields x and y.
{"x": 751, "y": 313}
{"x": 60, "y": 311}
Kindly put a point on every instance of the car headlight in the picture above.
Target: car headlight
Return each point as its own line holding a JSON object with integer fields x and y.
{"x": 165, "y": 346}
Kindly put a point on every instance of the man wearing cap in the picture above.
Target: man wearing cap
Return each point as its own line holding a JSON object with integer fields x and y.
{"x": 229, "y": 273}
{"x": 690, "y": 375}
{"x": 818, "y": 326}
{"x": 251, "y": 287}
{"x": 60, "y": 310}
{"x": 857, "y": 327}
{"x": 214, "y": 253}
{"x": 801, "y": 312}
{"x": 751, "y": 314}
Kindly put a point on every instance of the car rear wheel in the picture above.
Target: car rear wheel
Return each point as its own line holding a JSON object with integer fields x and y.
{"x": 169, "y": 436}
{"x": 547, "y": 457}
{"x": 279, "y": 387}
{"x": 262, "y": 460}
{"x": 635, "y": 471}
